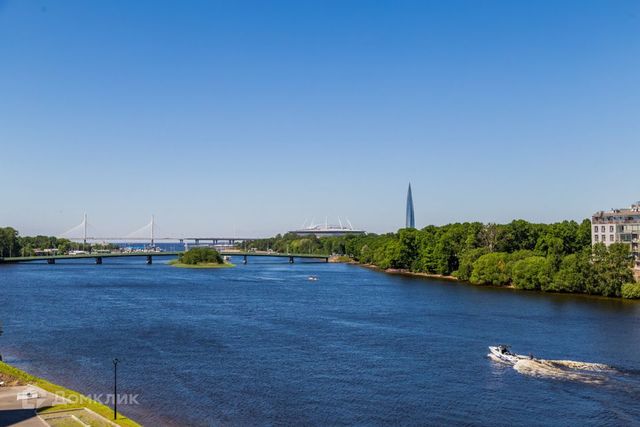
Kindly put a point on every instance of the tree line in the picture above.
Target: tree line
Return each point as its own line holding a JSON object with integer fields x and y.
{"x": 12, "y": 244}
{"x": 556, "y": 257}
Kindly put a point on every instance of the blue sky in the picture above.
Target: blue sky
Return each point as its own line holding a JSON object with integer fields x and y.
{"x": 250, "y": 117}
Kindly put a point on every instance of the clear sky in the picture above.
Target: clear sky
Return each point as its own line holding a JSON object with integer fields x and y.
{"x": 249, "y": 117}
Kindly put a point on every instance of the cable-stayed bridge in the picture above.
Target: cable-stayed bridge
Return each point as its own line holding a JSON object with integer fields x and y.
{"x": 83, "y": 230}
{"x": 149, "y": 232}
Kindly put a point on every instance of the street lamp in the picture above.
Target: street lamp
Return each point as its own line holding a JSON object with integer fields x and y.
{"x": 115, "y": 389}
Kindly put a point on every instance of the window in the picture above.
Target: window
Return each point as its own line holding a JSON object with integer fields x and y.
{"x": 595, "y": 237}
{"x": 602, "y": 228}
{"x": 611, "y": 239}
{"x": 604, "y": 237}
{"x": 595, "y": 228}
{"x": 611, "y": 229}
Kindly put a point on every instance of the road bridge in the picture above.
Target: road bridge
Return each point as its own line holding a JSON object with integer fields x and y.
{"x": 98, "y": 257}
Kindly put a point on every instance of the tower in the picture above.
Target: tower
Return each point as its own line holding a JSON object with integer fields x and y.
{"x": 152, "y": 224}
{"x": 84, "y": 230}
{"x": 410, "y": 220}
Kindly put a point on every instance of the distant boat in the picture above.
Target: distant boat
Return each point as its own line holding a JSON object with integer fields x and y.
{"x": 313, "y": 278}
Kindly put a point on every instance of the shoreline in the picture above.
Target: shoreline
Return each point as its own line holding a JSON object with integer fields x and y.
{"x": 67, "y": 400}
{"x": 407, "y": 273}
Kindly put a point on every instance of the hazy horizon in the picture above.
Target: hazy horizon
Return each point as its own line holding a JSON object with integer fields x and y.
{"x": 248, "y": 118}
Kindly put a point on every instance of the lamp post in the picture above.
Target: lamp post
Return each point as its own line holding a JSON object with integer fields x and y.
{"x": 115, "y": 389}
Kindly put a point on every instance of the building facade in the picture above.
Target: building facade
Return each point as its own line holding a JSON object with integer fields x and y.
{"x": 618, "y": 226}
{"x": 327, "y": 231}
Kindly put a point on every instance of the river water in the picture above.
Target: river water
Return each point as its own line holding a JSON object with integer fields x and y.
{"x": 260, "y": 344}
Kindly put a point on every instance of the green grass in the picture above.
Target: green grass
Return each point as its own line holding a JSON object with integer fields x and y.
{"x": 83, "y": 401}
{"x": 175, "y": 263}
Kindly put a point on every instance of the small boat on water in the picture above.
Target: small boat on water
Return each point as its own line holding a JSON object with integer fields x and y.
{"x": 504, "y": 353}
{"x": 313, "y": 278}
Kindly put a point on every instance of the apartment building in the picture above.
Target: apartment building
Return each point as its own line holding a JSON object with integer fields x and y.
{"x": 618, "y": 226}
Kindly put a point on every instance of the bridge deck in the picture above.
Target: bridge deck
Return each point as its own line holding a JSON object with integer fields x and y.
{"x": 153, "y": 254}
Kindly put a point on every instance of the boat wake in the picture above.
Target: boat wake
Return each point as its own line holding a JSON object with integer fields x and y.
{"x": 593, "y": 373}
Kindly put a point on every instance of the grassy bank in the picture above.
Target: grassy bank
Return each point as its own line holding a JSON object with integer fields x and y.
{"x": 176, "y": 263}
{"x": 83, "y": 402}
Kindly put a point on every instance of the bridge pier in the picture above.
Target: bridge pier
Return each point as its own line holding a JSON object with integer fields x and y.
{"x": 149, "y": 260}
{"x": 244, "y": 259}
{"x": 290, "y": 260}
{"x": 51, "y": 261}
{"x": 98, "y": 260}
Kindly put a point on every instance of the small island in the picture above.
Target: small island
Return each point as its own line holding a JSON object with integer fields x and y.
{"x": 201, "y": 258}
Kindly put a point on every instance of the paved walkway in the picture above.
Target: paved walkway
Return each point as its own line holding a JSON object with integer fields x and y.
{"x": 21, "y": 413}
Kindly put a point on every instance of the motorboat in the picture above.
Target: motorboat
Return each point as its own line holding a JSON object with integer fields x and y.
{"x": 503, "y": 353}
{"x": 313, "y": 278}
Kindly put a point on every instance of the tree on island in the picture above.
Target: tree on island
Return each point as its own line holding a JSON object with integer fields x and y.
{"x": 201, "y": 256}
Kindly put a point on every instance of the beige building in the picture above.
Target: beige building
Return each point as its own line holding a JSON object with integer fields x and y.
{"x": 618, "y": 226}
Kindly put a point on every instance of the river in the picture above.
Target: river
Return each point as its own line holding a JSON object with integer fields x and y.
{"x": 260, "y": 344}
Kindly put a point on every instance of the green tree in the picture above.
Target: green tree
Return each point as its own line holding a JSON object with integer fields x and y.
{"x": 9, "y": 242}
{"x": 467, "y": 259}
{"x": 534, "y": 272}
{"x": 517, "y": 235}
{"x": 200, "y": 256}
{"x": 552, "y": 248}
{"x": 573, "y": 274}
{"x": 611, "y": 268}
{"x": 408, "y": 243}
{"x": 491, "y": 269}
{"x": 583, "y": 238}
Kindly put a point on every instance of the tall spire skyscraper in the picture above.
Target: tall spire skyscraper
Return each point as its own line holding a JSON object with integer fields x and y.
{"x": 410, "y": 220}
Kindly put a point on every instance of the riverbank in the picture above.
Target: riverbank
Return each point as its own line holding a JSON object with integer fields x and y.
{"x": 67, "y": 400}
{"x": 402, "y": 272}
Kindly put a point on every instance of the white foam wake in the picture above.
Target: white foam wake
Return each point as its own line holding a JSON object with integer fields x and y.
{"x": 572, "y": 370}
{"x": 567, "y": 370}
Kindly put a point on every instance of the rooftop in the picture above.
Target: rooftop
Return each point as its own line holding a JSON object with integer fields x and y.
{"x": 327, "y": 228}
{"x": 632, "y": 212}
